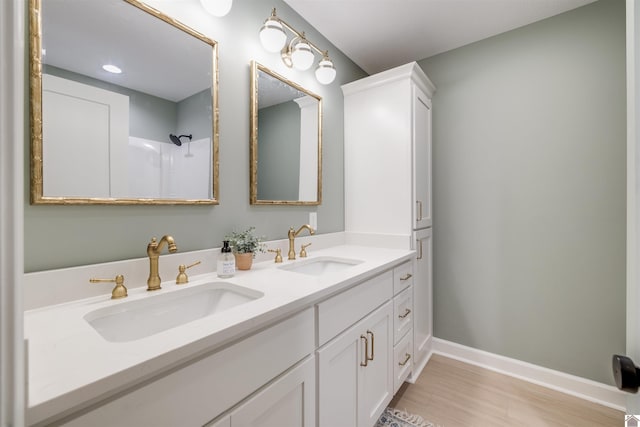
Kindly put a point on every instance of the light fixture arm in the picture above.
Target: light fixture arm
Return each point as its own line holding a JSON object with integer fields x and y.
{"x": 302, "y": 35}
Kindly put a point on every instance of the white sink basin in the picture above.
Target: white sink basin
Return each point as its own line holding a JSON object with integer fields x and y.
{"x": 321, "y": 265}
{"x": 129, "y": 321}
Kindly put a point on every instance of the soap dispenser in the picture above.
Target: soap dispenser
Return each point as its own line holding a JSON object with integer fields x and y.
{"x": 226, "y": 262}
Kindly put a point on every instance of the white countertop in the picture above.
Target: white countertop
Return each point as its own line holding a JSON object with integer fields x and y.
{"x": 72, "y": 366}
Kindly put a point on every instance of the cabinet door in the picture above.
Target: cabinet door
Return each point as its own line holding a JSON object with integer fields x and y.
{"x": 422, "y": 299}
{"x": 375, "y": 381}
{"x": 338, "y": 364}
{"x": 353, "y": 391}
{"x": 422, "y": 159}
{"x": 287, "y": 402}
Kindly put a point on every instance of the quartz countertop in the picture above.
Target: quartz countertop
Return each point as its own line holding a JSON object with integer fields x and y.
{"x": 72, "y": 366}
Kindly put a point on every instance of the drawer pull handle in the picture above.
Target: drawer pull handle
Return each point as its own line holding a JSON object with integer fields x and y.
{"x": 420, "y": 252}
{"x": 366, "y": 351}
{"x": 406, "y": 313}
{"x": 372, "y": 344}
{"x": 406, "y": 277}
{"x": 407, "y": 356}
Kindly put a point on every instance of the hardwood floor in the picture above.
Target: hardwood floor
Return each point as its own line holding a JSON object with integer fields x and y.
{"x": 450, "y": 393}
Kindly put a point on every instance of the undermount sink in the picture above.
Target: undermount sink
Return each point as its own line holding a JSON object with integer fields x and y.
{"x": 321, "y": 265}
{"x": 132, "y": 320}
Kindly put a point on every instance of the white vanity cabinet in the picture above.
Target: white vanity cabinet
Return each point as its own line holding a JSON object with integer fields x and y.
{"x": 203, "y": 389}
{"x": 355, "y": 374}
{"x": 387, "y": 122}
{"x": 387, "y": 152}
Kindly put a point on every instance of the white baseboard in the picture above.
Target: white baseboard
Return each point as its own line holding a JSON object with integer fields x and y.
{"x": 583, "y": 388}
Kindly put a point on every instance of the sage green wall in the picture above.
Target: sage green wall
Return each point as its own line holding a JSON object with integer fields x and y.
{"x": 529, "y": 191}
{"x": 279, "y": 151}
{"x": 62, "y": 236}
{"x": 194, "y": 116}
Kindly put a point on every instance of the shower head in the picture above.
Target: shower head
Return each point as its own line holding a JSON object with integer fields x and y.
{"x": 176, "y": 139}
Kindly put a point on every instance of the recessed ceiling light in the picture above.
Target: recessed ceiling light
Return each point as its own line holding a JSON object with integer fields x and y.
{"x": 112, "y": 68}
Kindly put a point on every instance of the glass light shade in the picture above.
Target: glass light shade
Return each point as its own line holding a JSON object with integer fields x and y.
{"x": 302, "y": 55}
{"x": 217, "y": 7}
{"x": 272, "y": 35}
{"x": 326, "y": 72}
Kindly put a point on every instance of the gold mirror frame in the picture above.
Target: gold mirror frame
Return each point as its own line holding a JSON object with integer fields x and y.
{"x": 256, "y": 68}
{"x": 35, "y": 81}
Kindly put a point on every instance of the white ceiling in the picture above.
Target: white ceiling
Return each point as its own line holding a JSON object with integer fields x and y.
{"x": 381, "y": 34}
{"x": 81, "y": 36}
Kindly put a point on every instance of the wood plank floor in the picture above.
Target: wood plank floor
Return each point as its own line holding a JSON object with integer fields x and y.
{"x": 450, "y": 393}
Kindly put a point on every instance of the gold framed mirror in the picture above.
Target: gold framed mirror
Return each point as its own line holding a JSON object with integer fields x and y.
{"x": 147, "y": 134}
{"x": 286, "y": 141}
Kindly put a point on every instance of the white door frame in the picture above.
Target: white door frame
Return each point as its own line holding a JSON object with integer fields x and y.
{"x": 12, "y": 142}
{"x": 633, "y": 192}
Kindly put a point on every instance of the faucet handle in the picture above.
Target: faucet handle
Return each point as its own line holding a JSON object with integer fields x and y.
{"x": 119, "y": 291}
{"x": 303, "y": 250}
{"x": 182, "y": 277}
{"x": 278, "y": 253}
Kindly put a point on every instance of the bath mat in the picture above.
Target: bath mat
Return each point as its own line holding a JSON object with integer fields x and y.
{"x": 395, "y": 418}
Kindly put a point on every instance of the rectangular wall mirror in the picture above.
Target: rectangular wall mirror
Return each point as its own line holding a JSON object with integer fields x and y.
{"x": 124, "y": 106}
{"x": 286, "y": 141}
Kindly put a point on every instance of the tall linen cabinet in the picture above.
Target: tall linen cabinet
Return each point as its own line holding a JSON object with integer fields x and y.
{"x": 388, "y": 178}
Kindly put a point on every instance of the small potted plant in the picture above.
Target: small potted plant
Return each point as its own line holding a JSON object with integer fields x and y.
{"x": 244, "y": 245}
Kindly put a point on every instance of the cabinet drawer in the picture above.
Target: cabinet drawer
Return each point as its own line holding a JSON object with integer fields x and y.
{"x": 343, "y": 310}
{"x": 289, "y": 401}
{"x": 402, "y": 276}
{"x": 204, "y": 389}
{"x": 402, "y": 361}
{"x": 402, "y": 313}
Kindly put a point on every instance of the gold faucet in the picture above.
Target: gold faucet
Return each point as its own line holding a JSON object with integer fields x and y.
{"x": 292, "y": 235}
{"x": 120, "y": 291}
{"x": 153, "y": 251}
{"x": 182, "y": 277}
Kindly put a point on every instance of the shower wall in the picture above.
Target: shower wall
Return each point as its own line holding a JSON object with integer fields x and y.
{"x": 160, "y": 170}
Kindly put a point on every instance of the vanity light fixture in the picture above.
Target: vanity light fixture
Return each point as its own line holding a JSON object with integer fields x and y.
{"x": 112, "y": 68}
{"x": 298, "y": 52}
{"x": 217, "y": 8}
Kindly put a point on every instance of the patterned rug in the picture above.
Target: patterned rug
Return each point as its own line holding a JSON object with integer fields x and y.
{"x": 396, "y": 418}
